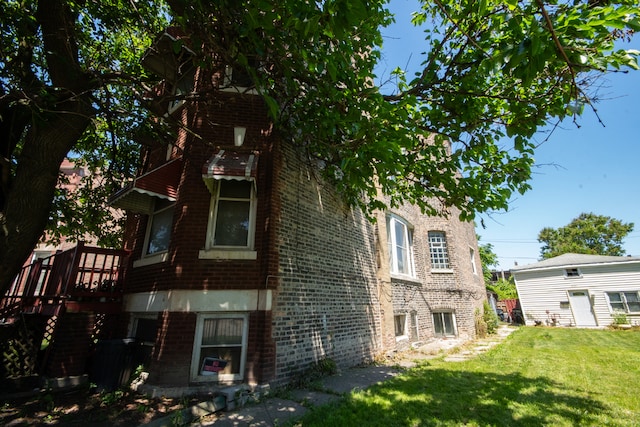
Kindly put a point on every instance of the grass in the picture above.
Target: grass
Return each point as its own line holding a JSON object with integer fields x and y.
{"x": 537, "y": 377}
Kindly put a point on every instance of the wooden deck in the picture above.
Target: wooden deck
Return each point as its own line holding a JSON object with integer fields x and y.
{"x": 80, "y": 279}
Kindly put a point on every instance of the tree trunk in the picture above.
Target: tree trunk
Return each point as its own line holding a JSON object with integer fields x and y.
{"x": 57, "y": 121}
{"x": 33, "y": 186}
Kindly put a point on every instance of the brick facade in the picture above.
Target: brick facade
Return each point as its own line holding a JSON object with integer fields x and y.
{"x": 457, "y": 290}
{"x": 327, "y": 300}
{"x": 319, "y": 285}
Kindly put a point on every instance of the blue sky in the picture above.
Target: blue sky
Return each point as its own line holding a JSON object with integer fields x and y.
{"x": 593, "y": 168}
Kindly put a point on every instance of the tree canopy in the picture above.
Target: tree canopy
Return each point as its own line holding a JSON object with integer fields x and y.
{"x": 488, "y": 259}
{"x": 587, "y": 234}
{"x": 455, "y": 135}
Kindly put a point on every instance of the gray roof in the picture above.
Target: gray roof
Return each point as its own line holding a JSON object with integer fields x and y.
{"x": 570, "y": 260}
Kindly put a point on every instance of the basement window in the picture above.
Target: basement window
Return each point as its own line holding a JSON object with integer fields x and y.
{"x": 400, "y": 321}
{"x": 444, "y": 324}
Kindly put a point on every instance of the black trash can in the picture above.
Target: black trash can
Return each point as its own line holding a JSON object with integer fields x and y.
{"x": 114, "y": 362}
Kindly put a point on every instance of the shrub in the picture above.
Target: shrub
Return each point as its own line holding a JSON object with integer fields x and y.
{"x": 490, "y": 318}
{"x": 620, "y": 318}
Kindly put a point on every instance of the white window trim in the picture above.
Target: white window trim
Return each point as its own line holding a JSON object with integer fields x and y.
{"x": 147, "y": 259}
{"x": 195, "y": 354}
{"x": 567, "y": 276}
{"x": 623, "y": 300}
{"x": 393, "y": 260}
{"x": 453, "y": 321}
{"x": 151, "y": 259}
{"x": 228, "y": 86}
{"x": 472, "y": 255}
{"x": 230, "y": 252}
{"x": 405, "y": 336}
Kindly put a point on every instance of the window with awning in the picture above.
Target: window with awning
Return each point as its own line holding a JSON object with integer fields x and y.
{"x": 230, "y": 165}
{"x": 230, "y": 177}
{"x": 141, "y": 194}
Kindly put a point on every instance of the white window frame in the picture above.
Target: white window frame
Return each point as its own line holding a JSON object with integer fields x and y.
{"x": 159, "y": 256}
{"x": 439, "y": 251}
{"x": 195, "y": 356}
{"x": 392, "y": 221}
{"x": 623, "y": 301}
{"x": 472, "y": 255}
{"x": 228, "y": 84}
{"x": 213, "y": 217}
{"x": 414, "y": 329}
{"x": 444, "y": 333}
{"x": 404, "y": 333}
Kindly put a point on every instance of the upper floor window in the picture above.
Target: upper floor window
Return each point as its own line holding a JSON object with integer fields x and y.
{"x": 232, "y": 221}
{"x": 180, "y": 88}
{"x": 400, "y": 240}
{"x": 472, "y": 255}
{"x": 438, "y": 250}
{"x": 159, "y": 227}
{"x": 572, "y": 272}
{"x": 628, "y": 302}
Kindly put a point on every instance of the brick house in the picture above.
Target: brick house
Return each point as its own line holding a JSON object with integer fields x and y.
{"x": 247, "y": 267}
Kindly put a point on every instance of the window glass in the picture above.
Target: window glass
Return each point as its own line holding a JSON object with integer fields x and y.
{"x": 616, "y": 302}
{"x": 472, "y": 256}
{"x": 633, "y": 302}
{"x": 400, "y": 324}
{"x": 572, "y": 272}
{"x": 232, "y": 225}
{"x": 234, "y": 214}
{"x": 221, "y": 347}
{"x": 438, "y": 250}
{"x": 160, "y": 227}
{"x": 400, "y": 241}
{"x": 448, "y": 324}
{"x": 443, "y": 324}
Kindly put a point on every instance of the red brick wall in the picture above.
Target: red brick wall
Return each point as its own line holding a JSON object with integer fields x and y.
{"x": 213, "y": 121}
{"x": 171, "y": 359}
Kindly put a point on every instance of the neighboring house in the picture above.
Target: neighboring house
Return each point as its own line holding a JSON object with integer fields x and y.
{"x": 73, "y": 175}
{"x": 500, "y": 275}
{"x": 579, "y": 290}
{"x": 247, "y": 267}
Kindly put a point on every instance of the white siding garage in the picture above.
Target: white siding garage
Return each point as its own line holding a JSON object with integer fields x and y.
{"x": 579, "y": 290}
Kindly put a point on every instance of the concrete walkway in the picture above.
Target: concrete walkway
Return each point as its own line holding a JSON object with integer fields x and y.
{"x": 283, "y": 407}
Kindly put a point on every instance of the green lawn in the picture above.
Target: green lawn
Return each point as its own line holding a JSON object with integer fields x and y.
{"x": 537, "y": 377}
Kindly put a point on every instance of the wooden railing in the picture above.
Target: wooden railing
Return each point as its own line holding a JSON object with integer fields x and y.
{"x": 80, "y": 278}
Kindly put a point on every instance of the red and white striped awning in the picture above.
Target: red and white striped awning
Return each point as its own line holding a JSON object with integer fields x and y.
{"x": 161, "y": 182}
{"x": 226, "y": 164}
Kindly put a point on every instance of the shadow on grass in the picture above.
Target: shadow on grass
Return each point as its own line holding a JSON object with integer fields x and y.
{"x": 430, "y": 397}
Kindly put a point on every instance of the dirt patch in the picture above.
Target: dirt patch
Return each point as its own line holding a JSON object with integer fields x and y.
{"x": 83, "y": 407}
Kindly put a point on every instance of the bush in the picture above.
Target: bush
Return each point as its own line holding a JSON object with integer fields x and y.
{"x": 620, "y": 318}
{"x": 490, "y": 318}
